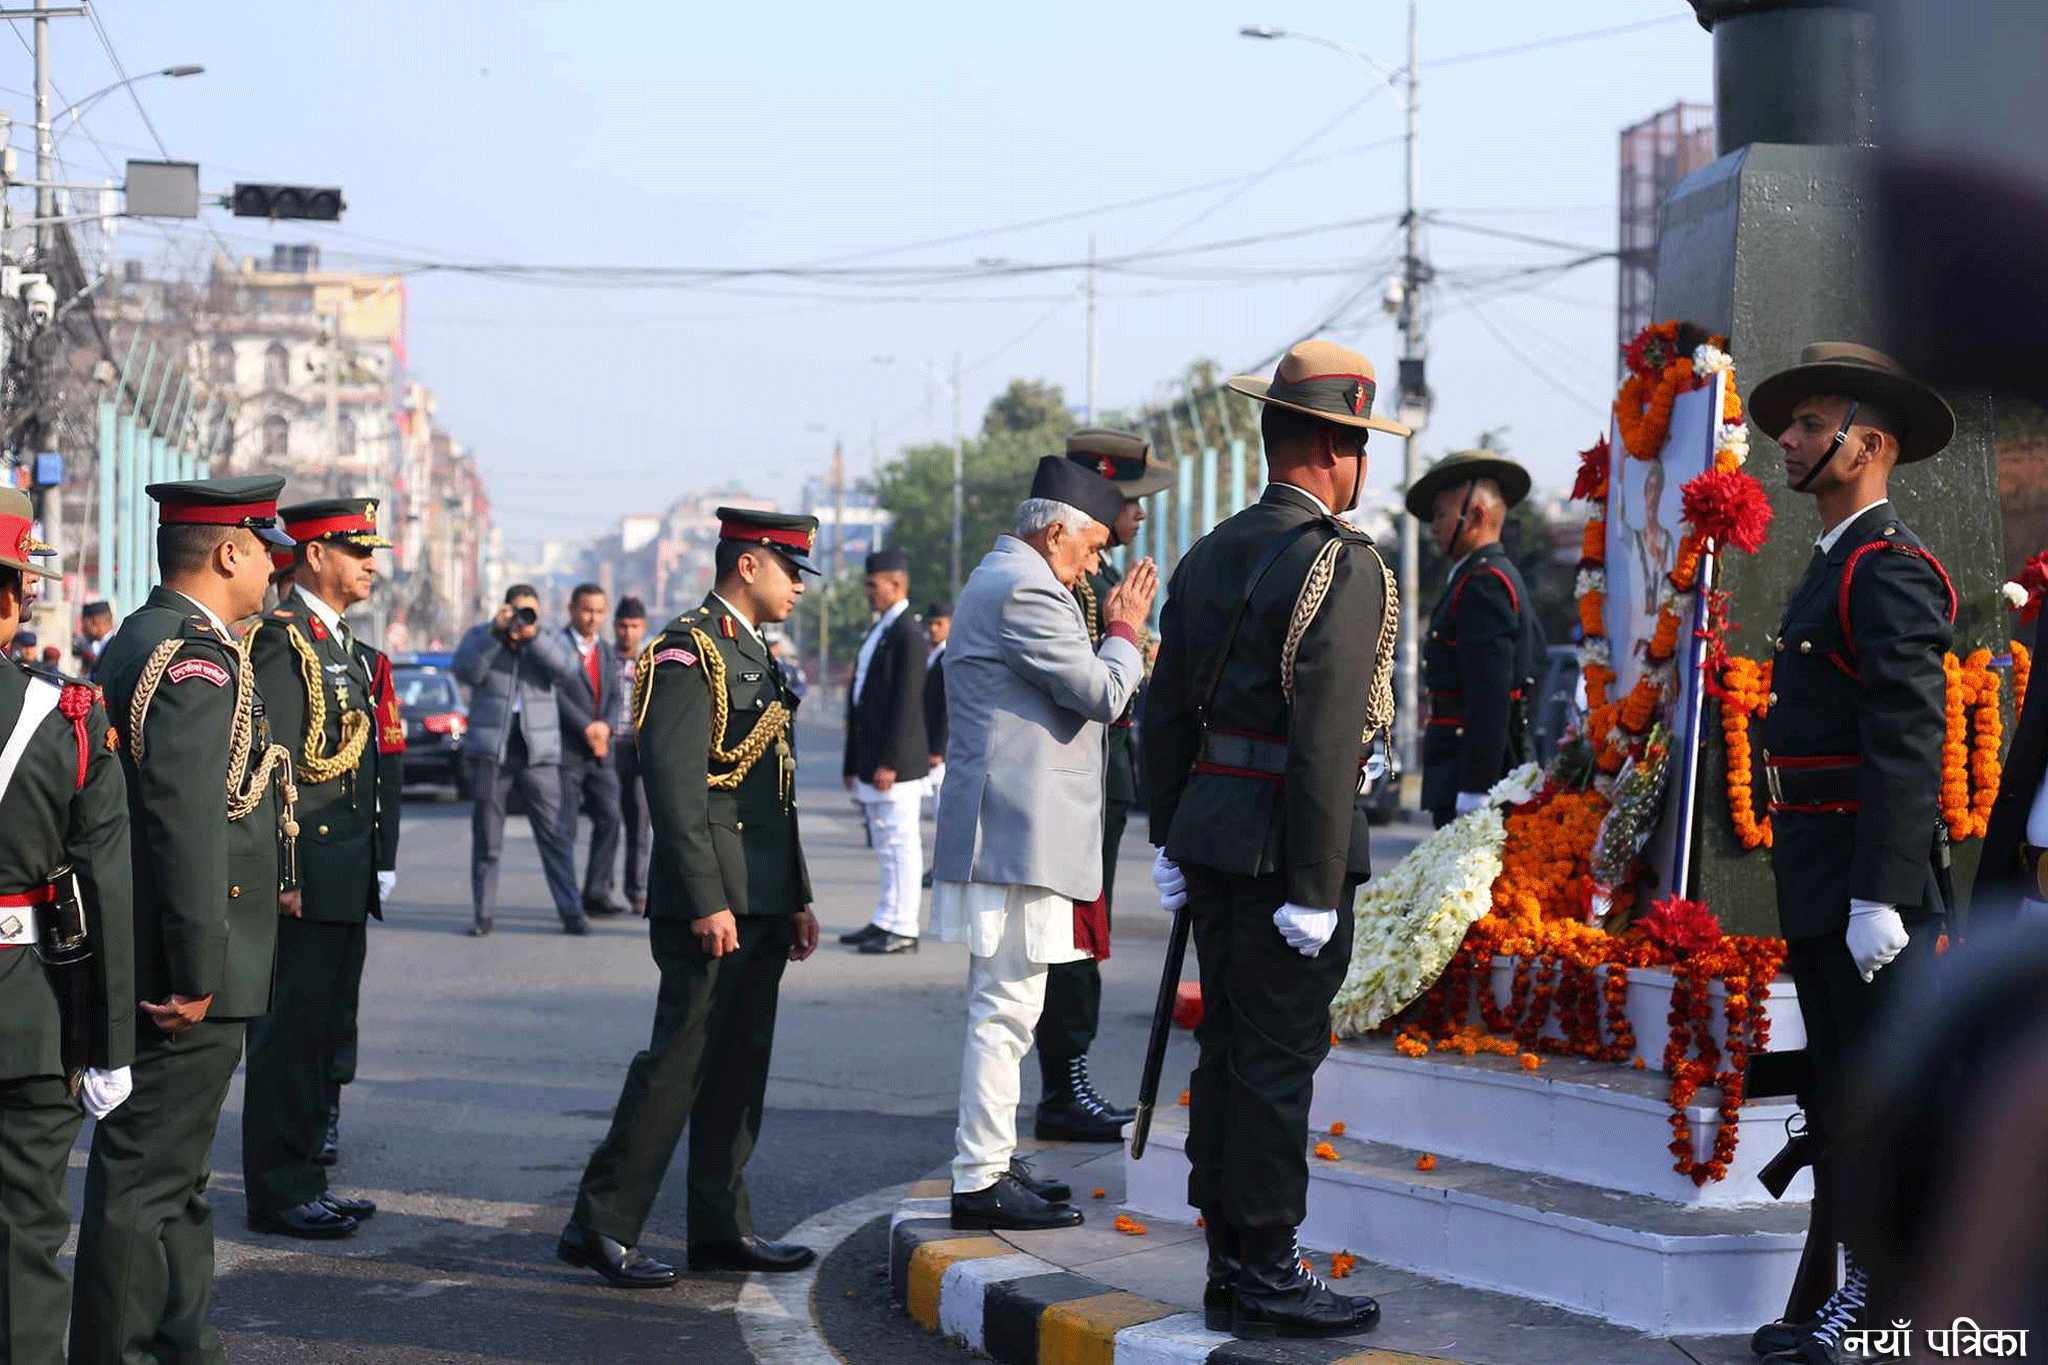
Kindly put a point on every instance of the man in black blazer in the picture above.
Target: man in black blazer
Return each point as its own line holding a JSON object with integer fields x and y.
{"x": 590, "y": 778}
{"x": 2013, "y": 877}
{"x": 888, "y": 754}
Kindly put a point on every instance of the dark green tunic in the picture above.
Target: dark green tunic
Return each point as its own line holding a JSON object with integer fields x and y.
{"x": 66, "y": 804}
{"x": 348, "y": 827}
{"x": 206, "y": 911}
{"x": 706, "y": 1063}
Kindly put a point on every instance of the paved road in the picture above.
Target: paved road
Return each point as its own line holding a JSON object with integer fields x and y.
{"x": 489, "y": 1070}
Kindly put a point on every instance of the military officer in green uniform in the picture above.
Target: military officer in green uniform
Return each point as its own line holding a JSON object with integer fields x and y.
{"x": 209, "y": 816}
{"x": 1484, "y": 643}
{"x": 328, "y": 694}
{"x": 729, "y": 906}
{"x": 67, "y": 996}
{"x": 1069, "y": 1109}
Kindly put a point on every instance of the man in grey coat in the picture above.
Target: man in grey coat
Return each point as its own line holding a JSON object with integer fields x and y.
{"x": 1028, "y": 700}
{"x": 514, "y": 736}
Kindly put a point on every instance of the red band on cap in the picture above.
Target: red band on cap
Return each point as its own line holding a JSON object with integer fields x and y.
{"x": 800, "y": 541}
{"x": 17, "y": 534}
{"x": 224, "y": 514}
{"x": 351, "y": 523}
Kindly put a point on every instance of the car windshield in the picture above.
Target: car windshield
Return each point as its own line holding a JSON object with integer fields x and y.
{"x": 424, "y": 689}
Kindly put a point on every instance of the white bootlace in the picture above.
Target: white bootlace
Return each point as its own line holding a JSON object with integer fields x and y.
{"x": 1301, "y": 1264}
{"x": 1081, "y": 1088}
{"x": 1844, "y": 1306}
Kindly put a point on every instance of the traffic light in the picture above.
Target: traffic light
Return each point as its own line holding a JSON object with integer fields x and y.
{"x": 287, "y": 201}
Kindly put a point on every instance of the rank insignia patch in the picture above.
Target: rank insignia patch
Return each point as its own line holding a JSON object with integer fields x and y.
{"x": 197, "y": 668}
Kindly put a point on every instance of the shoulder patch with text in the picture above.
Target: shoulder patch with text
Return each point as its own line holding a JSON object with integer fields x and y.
{"x": 197, "y": 668}
{"x": 675, "y": 656}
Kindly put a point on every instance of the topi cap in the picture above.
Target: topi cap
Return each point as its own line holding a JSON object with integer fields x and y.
{"x": 1061, "y": 480}
{"x": 249, "y": 502}
{"x": 630, "y": 609}
{"x": 792, "y": 536}
{"x": 19, "y": 548}
{"x": 1465, "y": 466}
{"x": 889, "y": 560}
{"x": 938, "y": 609}
{"x": 1324, "y": 380}
{"x": 1861, "y": 373}
{"x": 1122, "y": 458}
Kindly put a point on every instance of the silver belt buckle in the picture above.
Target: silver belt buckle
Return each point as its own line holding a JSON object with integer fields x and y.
{"x": 1771, "y": 781}
{"x": 18, "y": 927}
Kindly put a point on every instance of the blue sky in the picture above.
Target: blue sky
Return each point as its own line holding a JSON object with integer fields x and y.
{"x": 690, "y": 134}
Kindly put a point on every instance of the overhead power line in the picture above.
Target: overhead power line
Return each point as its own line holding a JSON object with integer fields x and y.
{"x": 1585, "y": 35}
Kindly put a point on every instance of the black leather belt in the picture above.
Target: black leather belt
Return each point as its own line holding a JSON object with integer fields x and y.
{"x": 1242, "y": 751}
{"x": 1814, "y": 784}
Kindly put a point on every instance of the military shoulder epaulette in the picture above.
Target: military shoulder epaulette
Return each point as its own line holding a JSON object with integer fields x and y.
{"x": 199, "y": 628}
{"x": 48, "y": 674}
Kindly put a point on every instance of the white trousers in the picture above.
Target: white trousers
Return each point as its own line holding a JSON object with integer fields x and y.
{"x": 1005, "y": 993}
{"x": 894, "y": 829}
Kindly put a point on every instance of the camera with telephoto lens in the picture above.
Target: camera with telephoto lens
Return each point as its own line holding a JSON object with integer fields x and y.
{"x": 526, "y": 616}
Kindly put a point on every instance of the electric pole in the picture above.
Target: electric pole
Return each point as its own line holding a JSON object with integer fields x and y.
{"x": 1091, "y": 329}
{"x": 58, "y": 599}
{"x": 959, "y": 474}
{"x": 838, "y": 539}
{"x": 1414, "y": 401}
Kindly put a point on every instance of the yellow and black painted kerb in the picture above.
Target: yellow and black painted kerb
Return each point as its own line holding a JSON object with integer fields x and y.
{"x": 1061, "y": 1318}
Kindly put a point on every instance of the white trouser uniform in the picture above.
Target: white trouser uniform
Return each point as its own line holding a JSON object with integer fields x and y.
{"x": 1012, "y": 933}
{"x": 894, "y": 829}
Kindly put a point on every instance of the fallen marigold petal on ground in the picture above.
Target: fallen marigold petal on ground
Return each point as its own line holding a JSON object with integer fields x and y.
{"x": 1183, "y": 1100}
{"x": 1337, "y": 1128}
{"x": 1530, "y": 1061}
{"x": 1200, "y": 1221}
{"x": 1100, "y": 1193}
{"x": 1129, "y": 1226}
{"x": 1326, "y": 1151}
{"x": 1425, "y": 1162}
{"x": 1341, "y": 1264}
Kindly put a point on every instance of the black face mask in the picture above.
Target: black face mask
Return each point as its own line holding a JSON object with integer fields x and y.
{"x": 1841, "y": 435}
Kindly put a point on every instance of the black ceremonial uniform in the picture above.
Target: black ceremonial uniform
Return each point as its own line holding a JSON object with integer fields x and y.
{"x": 706, "y": 684}
{"x": 1852, "y": 742}
{"x": 1479, "y": 657}
{"x": 323, "y": 696}
{"x": 66, "y": 804}
{"x": 205, "y": 923}
{"x": 1073, "y": 990}
{"x": 1256, "y": 800}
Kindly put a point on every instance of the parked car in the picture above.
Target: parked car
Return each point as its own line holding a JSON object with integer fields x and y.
{"x": 436, "y": 718}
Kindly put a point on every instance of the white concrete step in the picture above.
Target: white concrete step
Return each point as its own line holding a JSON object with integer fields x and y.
{"x": 1662, "y": 1268}
{"x": 1649, "y": 1010}
{"x": 1594, "y": 1122}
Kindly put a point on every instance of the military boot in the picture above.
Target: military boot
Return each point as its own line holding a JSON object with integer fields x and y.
{"x": 1071, "y": 1111}
{"x": 1278, "y": 1296}
{"x": 1219, "y": 1291}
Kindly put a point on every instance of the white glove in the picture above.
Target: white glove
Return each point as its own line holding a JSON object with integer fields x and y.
{"x": 1470, "y": 801}
{"x": 1876, "y": 935}
{"x": 387, "y": 882}
{"x": 101, "y": 1092}
{"x": 1305, "y": 930}
{"x": 1171, "y": 882}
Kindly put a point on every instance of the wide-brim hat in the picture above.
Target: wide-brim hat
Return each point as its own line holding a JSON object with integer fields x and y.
{"x": 1464, "y": 466}
{"x": 19, "y": 548}
{"x": 1928, "y": 423}
{"x": 1322, "y": 379}
{"x": 1124, "y": 459}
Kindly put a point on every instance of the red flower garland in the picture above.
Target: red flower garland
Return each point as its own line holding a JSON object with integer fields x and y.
{"x": 1729, "y": 506}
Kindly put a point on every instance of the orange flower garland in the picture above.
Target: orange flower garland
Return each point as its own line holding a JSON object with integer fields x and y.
{"x": 1983, "y": 685}
{"x": 1660, "y": 369}
{"x": 2022, "y": 669}
{"x": 1747, "y": 688}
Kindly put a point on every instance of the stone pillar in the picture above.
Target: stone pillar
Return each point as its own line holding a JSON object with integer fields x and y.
{"x": 1772, "y": 245}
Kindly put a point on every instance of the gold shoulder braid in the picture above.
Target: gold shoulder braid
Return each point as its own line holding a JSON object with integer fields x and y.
{"x": 767, "y": 730}
{"x": 317, "y": 767}
{"x": 1379, "y": 706}
{"x": 643, "y": 680}
{"x": 1084, "y": 593}
{"x": 245, "y": 789}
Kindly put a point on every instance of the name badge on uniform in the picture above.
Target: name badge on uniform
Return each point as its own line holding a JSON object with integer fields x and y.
{"x": 752, "y": 677}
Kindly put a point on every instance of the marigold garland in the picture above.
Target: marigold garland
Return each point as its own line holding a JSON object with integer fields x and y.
{"x": 1745, "y": 694}
{"x": 2022, "y": 670}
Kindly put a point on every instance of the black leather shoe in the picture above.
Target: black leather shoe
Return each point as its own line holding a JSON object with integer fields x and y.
{"x": 853, "y": 938}
{"x": 927, "y": 881}
{"x": 1051, "y": 1191}
{"x": 750, "y": 1253}
{"x": 330, "y": 1145}
{"x": 886, "y": 942}
{"x": 1067, "y": 1119}
{"x": 621, "y": 1266}
{"x": 482, "y": 927}
{"x": 311, "y": 1219}
{"x": 362, "y": 1210}
{"x": 1010, "y": 1206}
{"x": 1277, "y": 1298}
{"x": 1774, "y": 1337}
{"x": 1219, "y": 1290}
{"x": 576, "y": 928}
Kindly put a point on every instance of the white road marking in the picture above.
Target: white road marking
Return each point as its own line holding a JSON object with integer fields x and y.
{"x": 775, "y": 1313}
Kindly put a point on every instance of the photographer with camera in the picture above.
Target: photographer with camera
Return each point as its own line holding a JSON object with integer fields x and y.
{"x": 512, "y": 670}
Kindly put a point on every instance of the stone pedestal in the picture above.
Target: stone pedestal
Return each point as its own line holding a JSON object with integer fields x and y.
{"x": 1772, "y": 246}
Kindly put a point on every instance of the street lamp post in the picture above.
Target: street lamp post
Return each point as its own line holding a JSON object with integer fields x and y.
{"x": 76, "y": 110}
{"x": 1414, "y": 395}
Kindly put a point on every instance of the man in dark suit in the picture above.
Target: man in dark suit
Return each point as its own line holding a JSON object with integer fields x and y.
{"x": 63, "y": 803}
{"x": 938, "y": 625}
{"x": 331, "y": 705}
{"x": 729, "y": 907}
{"x": 1484, "y": 645}
{"x": 590, "y": 776}
{"x": 629, "y": 632}
{"x": 1275, "y": 673}
{"x": 206, "y": 827}
{"x": 888, "y": 754}
{"x": 2013, "y": 876}
{"x": 1852, "y": 750}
